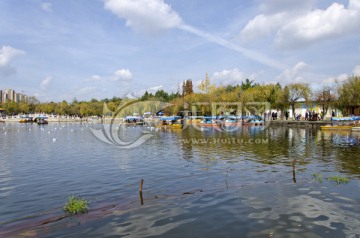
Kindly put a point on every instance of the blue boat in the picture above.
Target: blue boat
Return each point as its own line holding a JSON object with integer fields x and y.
{"x": 173, "y": 122}
{"x": 350, "y": 118}
{"x": 134, "y": 120}
{"x": 209, "y": 121}
{"x": 253, "y": 121}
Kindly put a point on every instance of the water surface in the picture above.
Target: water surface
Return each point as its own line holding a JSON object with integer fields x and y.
{"x": 198, "y": 183}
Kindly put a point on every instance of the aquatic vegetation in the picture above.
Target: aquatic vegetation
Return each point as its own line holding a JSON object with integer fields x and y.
{"x": 318, "y": 177}
{"x": 338, "y": 179}
{"x": 76, "y": 205}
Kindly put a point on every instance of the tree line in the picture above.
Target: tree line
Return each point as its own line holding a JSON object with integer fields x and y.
{"x": 345, "y": 96}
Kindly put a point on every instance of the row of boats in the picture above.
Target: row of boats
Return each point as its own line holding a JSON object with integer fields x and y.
{"x": 40, "y": 120}
{"x": 177, "y": 122}
{"x": 351, "y": 123}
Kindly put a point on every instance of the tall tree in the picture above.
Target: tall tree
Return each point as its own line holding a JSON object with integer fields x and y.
{"x": 298, "y": 91}
{"x": 247, "y": 84}
{"x": 187, "y": 88}
{"x": 205, "y": 85}
{"x": 349, "y": 95}
{"x": 324, "y": 98}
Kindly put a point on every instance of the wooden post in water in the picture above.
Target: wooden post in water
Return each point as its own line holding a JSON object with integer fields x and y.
{"x": 294, "y": 167}
{"x": 140, "y": 191}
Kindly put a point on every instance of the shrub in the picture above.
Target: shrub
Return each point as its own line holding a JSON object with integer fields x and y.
{"x": 76, "y": 205}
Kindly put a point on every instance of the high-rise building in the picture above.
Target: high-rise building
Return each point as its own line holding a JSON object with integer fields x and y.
{"x": 11, "y": 94}
{"x": 21, "y": 97}
{"x": 4, "y": 97}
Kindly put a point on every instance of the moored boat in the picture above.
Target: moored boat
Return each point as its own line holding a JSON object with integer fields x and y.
{"x": 355, "y": 128}
{"x": 134, "y": 121}
{"x": 174, "y": 122}
{"x": 342, "y": 123}
{"x": 209, "y": 122}
{"x": 42, "y": 121}
{"x": 26, "y": 120}
{"x": 232, "y": 121}
{"x": 253, "y": 121}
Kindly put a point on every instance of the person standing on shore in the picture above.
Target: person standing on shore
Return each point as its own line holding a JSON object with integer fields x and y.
{"x": 306, "y": 116}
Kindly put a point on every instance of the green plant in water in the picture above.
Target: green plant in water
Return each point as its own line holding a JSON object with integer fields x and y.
{"x": 318, "y": 177}
{"x": 76, "y": 205}
{"x": 338, "y": 179}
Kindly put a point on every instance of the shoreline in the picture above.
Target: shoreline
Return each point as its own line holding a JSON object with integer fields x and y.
{"x": 109, "y": 120}
{"x": 300, "y": 123}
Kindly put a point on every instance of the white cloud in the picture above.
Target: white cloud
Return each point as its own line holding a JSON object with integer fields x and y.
{"x": 299, "y": 27}
{"x": 154, "y": 16}
{"x": 342, "y": 77}
{"x": 122, "y": 75}
{"x": 229, "y": 77}
{"x": 339, "y": 78}
{"x": 356, "y": 70}
{"x": 46, "y": 6}
{"x": 293, "y": 75}
{"x": 7, "y": 54}
{"x": 149, "y": 16}
{"x": 45, "y": 83}
{"x": 96, "y": 77}
{"x": 154, "y": 89}
{"x": 86, "y": 91}
{"x": 275, "y": 6}
{"x": 262, "y": 25}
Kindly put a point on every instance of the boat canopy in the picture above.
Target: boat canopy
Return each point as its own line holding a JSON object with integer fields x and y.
{"x": 353, "y": 118}
{"x": 41, "y": 117}
{"x": 173, "y": 118}
{"x": 132, "y": 118}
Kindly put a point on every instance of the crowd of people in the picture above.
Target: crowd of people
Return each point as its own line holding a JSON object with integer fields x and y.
{"x": 309, "y": 115}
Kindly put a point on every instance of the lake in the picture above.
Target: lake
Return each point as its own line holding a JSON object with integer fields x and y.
{"x": 197, "y": 183}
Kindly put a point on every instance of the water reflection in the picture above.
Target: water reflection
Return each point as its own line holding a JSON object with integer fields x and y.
{"x": 275, "y": 145}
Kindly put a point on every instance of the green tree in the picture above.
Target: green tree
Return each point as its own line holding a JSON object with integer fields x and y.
{"x": 33, "y": 102}
{"x": 298, "y": 91}
{"x": 205, "y": 85}
{"x": 324, "y": 98}
{"x": 161, "y": 95}
{"x": 24, "y": 107}
{"x": 146, "y": 96}
{"x": 349, "y": 95}
{"x": 62, "y": 108}
{"x": 11, "y": 107}
{"x": 247, "y": 84}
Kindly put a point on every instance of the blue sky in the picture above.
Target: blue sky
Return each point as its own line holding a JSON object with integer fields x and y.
{"x": 86, "y": 49}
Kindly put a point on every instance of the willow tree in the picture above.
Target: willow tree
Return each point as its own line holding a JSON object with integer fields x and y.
{"x": 298, "y": 91}
{"x": 324, "y": 98}
{"x": 349, "y": 95}
{"x": 281, "y": 99}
